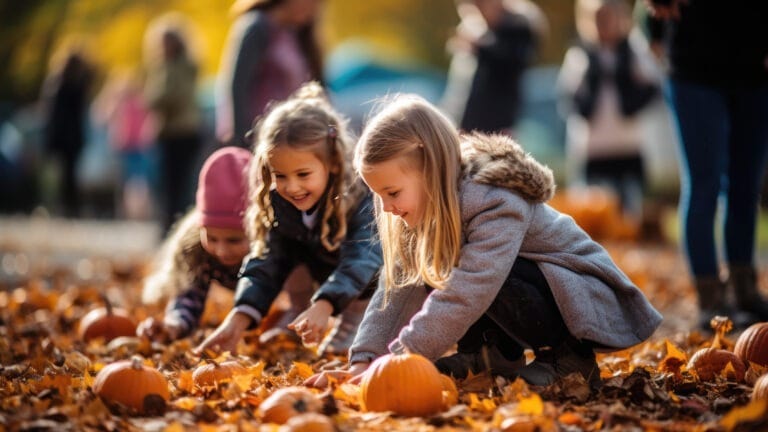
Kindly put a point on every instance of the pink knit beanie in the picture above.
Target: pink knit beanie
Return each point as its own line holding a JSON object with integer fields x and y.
{"x": 222, "y": 189}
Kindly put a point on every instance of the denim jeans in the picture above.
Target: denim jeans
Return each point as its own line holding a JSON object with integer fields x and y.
{"x": 724, "y": 138}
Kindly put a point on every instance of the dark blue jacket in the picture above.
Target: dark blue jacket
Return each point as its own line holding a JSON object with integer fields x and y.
{"x": 344, "y": 274}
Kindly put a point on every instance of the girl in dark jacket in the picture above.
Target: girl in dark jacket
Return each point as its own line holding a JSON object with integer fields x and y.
{"x": 307, "y": 208}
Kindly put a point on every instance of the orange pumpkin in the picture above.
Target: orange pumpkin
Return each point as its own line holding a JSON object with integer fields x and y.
{"x": 288, "y": 402}
{"x": 308, "y": 422}
{"x": 752, "y": 344}
{"x": 107, "y": 323}
{"x": 712, "y": 362}
{"x": 128, "y": 382}
{"x": 213, "y": 373}
{"x": 450, "y": 392}
{"x": 406, "y": 384}
{"x": 760, "y": 390}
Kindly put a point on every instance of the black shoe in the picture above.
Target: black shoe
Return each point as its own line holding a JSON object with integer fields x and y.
{"x": 569, "y": 357}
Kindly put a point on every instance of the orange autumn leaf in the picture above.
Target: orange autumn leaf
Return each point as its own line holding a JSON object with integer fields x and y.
{"x": 302, "y": 369}
{"x": 482, "y": 405}
{"x": 531, "y": 405}
{"x": 675, "y": 360}
{"x": 754, "y": 410}
{"x": 347, "y": 393}
{"x": 570, "y": 418}
{"x": 185, "y": 382}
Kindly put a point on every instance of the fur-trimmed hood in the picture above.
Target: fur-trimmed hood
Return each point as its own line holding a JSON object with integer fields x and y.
{"x": 498, "y": 160}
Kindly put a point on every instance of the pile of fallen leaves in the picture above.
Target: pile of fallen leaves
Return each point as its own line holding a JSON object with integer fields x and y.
{"x": 47, "y": 372}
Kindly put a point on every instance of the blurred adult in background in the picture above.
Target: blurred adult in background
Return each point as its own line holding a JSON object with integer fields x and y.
{"x": 270, "y": 51}
{"x": 499, "y": 38}
{"x": 65, "y": 96}
{"x": 607, "y": 79}
{"x": 718, "y": 87}
{"x": 170, "y": 92}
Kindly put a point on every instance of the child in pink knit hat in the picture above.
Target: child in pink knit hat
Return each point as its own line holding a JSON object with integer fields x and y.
{"x": 209, "y": 243}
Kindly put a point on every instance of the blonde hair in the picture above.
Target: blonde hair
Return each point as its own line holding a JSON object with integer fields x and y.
{"x": 410, "y": 127}
{"x": 179, "y": 261}
{"x": 305, "y": 121}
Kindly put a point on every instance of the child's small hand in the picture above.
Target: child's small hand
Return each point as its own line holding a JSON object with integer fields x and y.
{"x": 227, "y": 334}
{"x": 353, "y": 375}
{"x": 311, "y": 323}
{"x": 159, "y": 331}
{"x": 149, "y": 328}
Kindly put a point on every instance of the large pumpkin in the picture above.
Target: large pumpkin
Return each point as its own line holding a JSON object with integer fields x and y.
{"x": 129, "y": 382}
{"x": 107, "y": 323}
{"x": 712, "y": 362}
{"x": 752, "y": 345}
{"x": 213, "y": 373}
{"x": 406, "y": 384}
{"x": 288, "y": 402}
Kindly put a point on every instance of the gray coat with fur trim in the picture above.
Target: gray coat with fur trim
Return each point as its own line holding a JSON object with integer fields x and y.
{"x": 504, "y": 215}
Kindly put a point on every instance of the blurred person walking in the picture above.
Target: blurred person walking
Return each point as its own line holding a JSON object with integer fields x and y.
{"x": 271, "y": 50}
{"x": 501, "y": 37}
{"x": 65, "y": 97}
{"x": 606, "y": 81}
{"x": 170, "y": 92}
{"x": 718, "y": 89}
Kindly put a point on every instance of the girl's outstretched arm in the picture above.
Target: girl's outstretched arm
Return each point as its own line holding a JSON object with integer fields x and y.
{"x": 353, "y": 375}
{"x": 227, "y": 334}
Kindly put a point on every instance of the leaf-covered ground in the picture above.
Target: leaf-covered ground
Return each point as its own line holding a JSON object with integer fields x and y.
{"x": 47, "y": 372}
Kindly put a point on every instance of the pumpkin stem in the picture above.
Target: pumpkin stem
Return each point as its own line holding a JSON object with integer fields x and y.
{"x": 137, "y": 362}
{"x": 107, "y": 303}
{"x": 300, "y": 406}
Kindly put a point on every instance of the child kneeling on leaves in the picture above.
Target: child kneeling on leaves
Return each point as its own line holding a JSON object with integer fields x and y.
{"x": 473, "y": 255}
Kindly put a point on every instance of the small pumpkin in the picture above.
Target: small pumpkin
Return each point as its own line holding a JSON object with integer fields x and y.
{"x": 212, "y": 373}
{"x": 450, "y": 392}
{"x": 308, "y": 422}
{"x": 712, "y": 362}
{"x": 406, "y": 384}
{"x": 760, "y": 390}
{"x": 129, "y": 382}
{"x": 288, "y": 402}
{"x": 107, "y": 323}
{"x": 752, "y": 344}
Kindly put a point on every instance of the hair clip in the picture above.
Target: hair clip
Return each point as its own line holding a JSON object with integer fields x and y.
{"x": 332, "y": 133}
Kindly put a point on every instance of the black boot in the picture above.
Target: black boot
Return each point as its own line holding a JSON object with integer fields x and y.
{"x": 743, "y": 279}
{"x": 569, "y": 357}
{"x": 712, "y": 302}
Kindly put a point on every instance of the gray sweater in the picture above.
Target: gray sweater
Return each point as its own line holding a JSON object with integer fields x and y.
{"x": 504, "y": 215}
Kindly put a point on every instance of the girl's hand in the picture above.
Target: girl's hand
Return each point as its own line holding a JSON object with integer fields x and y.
{"x": 227, "y": 335}
{"x": 311, "y": 323}
{"x": 150, "y": 328}
{"x": 352, "y": 375}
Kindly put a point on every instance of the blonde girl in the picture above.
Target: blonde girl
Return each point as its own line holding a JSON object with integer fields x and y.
{"x": 473, "y": 255}
{"x": 307, "y": 208}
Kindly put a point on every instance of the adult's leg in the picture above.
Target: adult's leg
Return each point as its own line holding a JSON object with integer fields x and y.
{"x": 702, "y": 119}
{"x": 747, "y": 154}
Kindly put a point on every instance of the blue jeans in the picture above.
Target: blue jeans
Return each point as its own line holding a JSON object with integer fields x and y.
{"x": 724, "y": 139}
